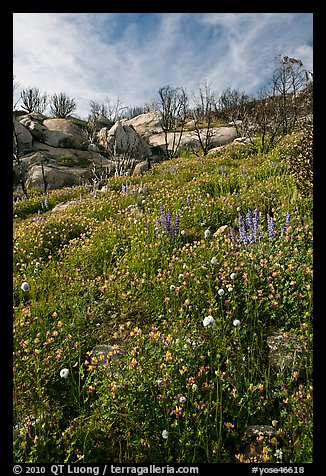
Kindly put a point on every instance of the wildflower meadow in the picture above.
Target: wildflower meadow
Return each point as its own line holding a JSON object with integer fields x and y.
{"x": 168, "y": 317}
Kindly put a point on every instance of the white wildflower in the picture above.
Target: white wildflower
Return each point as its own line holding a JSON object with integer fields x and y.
{"x": 207, "y": 233}
{"x": 236, "y": 322}
{"x": 278, "y": 455}
{"x": 165, "y": 434}
{"x": 220, "y": 292}
{"x": 233, "y": 276}
{"x": 64, "y": 373}
{"x": 182, "y": 399}
{"x": 214, "y": 260}
{"x": 230, "y": 289}
{"x": 25, "y": 287}
{"x": 209, "y": 322}
{"x": 172, "y": 287}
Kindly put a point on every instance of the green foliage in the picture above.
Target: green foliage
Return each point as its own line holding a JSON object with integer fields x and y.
{"x": 163, "y": 386}
{"x": 67, "y": 161}
{"x": 301, "y": 162}
{"x": 71, "y": 161}
{"x": 79, "y": 122}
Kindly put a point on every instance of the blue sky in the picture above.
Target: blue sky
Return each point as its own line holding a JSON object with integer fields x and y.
{"x": 129, "y": 56}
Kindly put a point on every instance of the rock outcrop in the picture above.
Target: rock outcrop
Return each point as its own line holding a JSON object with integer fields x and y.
{"x": 61, "y": 151}
{"x": 148, "y": 126}
{"x": 140, "y": 168}
{"x": 62, "y": 133}
{"x": 123, "y": 139}
{"x": 24, "y": 139}
{"x": 145, "y": 125}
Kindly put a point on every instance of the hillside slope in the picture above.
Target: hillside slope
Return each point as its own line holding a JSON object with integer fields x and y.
{"x": 167, "y": 317}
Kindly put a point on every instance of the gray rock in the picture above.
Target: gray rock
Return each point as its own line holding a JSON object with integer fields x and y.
{"x": 103, "y": 121}
{"x": 145, "y": 124}
{"x": 25, "y": 120}
{"x": 37, "y": 116}
{"x": 93, "y": 148}
{"x": 242, "y": 140}
{"x": 24, "y": 138}
{"x": 220, "y": 136}
{"x": 107, "y": 357}
{"x": 36, "y": 129}
{"x": 140, "y": 168}
{"x": 56, "y": 177}
{"x": 32, "y": 124}
{"x": 58, "y": 139}
{"x": 68, "y": 134}
{"x": 284, "y": 349}
{"x": 123, "y": 139}
{"x": 63, "y": 206}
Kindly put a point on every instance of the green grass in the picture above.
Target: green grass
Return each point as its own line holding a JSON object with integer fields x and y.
{"x": 108, "y": 271}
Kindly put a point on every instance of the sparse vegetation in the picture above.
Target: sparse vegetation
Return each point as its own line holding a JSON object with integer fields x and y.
{"x": 62, "y": 105}
{"x": 33, "y": 101}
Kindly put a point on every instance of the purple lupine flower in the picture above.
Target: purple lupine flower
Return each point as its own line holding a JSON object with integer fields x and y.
{"x": 242, "y": 230}
{"x": 167, "y": 221}
{"x": 176, "y": 225}
{"x": 256, "y": 218}
{"x": 188, "y": 201}
{"x": 244, "y": 170}
{"x": 233, "y": 236}
{"x": 255, "y": 224}
{"x": 249, "y": 221}
{"x": 287, "y": 221}
{"x": 270, "y": 226}
{"x": 284, "y": 228}
{"x": 45, "y": 203}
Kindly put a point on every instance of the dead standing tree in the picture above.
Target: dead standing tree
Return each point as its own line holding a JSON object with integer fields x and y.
{"x": 203, "y": 117}
{"x": 173, "y": 103}
{"x": 123, "y": 155}
{"x": 289, "y": 80}
{"x": 33, "y": 101}
{"x": 233, "y": 107}
{"x": 17, "y": 154}
{"x": 277, "y": 109}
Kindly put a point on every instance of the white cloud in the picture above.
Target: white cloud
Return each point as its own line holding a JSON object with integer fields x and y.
{"x": 129, "y": 56}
